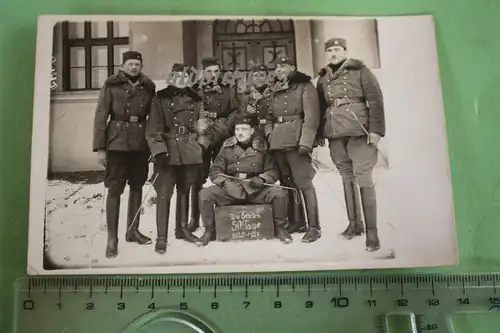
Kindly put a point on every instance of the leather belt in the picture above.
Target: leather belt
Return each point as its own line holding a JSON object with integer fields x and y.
{"x": 182, "y": 130}
{"x": 214, "y": 115}
{"x": 283, "y": 119}
{"x": 243, "y": 175}
{"x": 346, "y": 100}
{"x": 129, "y": 119}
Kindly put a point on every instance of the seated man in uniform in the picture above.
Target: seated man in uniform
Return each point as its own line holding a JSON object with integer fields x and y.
{"x": 240, "y": 173}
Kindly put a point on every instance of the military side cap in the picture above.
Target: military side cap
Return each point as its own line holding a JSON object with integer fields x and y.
{"x": 284, "y": 60}
{"x": 210, "y": 61}
{"x": 336, "y": 42}
{"x": 131, "y": 55}
{"x": 259, "y": 68}
{"x": 246, "y": 118}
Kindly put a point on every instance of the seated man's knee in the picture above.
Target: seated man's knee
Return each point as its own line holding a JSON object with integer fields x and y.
{"x": 207, "y": 194}
{"x": 278, "y": 193}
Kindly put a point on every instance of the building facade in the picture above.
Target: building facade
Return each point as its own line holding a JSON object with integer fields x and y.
{"x": 86, "y": 53}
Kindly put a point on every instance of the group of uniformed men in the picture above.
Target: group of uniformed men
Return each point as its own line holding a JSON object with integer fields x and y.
{"x": 255, "y": 146}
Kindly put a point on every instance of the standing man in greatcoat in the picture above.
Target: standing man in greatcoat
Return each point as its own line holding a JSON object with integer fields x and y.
{"x": 120, "y": 142}
{"x": 176, "y": 134}
{"x": 292, "y": 137}
{"x": 353, "y": 122}
{"x": 219, "y": 102}
{"x": 257, "y": 100}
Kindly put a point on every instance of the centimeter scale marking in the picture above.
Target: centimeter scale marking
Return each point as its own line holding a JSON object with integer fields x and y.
{"x": 320, "y": 303}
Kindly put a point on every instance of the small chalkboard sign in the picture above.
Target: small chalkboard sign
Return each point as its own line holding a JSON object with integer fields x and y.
{"x": 244, "y": 222}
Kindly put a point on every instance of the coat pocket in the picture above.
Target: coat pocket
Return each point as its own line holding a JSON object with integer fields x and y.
{"x": 286, "y": 135}
{"x": 113, "y": 133}
{"x": 190, "y": 150}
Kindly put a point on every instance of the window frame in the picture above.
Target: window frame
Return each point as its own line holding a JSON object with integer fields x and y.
{"x": 88, "y": 42}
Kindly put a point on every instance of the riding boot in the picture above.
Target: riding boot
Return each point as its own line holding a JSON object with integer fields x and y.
{"x": 208, "y": 218}
{"x": 112, "y": 217}
{"x": 311, "y": 202}
{"x": 194, "y": 223}
{"x": 182, "y": 218}
{"x": 369, "y": 203}
{"x": 133, "y": 218}
{"x": 178, "y": 216}
{"x": 353, "y": 208}
{"x": 162, "y": 216}
{"x": 296, "y": 212}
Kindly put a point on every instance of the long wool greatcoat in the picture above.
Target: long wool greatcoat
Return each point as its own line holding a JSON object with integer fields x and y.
{"x": 120, "y": 99}
{"x": 297, "y": 105}
{"x": 350, "y": 98}
{"x": 232, "y": 160}
{"x": 177, "y": 126}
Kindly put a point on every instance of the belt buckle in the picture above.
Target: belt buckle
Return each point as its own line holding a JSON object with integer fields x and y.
{"x": 336, "y": 102}
{"x": 181, "y": 129}
{"x": 280, "y": 119}
{"x": 212, "y": 114}
{"x": 134, "y": 119}
{"x": 262, "y": 121}
{"x": 241, "y": 175}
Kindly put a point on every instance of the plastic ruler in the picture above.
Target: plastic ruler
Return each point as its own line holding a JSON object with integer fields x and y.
{"x": 251, "y": 303}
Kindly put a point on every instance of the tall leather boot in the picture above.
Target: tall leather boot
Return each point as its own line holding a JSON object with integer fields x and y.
{"x": 182, "y": 218}
{"x": 296, "y": 213}
{"x": 112, "y": 217}
{"x": 162, "y": 216}
{"x": 280, "y": 212}
{"x": 194, "y": 222}
{"x": 353, "y": 208}
{"x": 311, "y": 202}
{"x": 134, "y": 204}
{"x": 208, "y": 218}
{"x": 178, "y": 216}
{"x": 369, "y": 203}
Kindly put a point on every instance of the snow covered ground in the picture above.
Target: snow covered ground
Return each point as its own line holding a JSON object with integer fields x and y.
{"x": 76, "y": 231}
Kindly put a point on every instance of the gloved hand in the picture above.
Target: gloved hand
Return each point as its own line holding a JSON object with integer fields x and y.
{"x": 161, "y": 160}
{"x": 304, "y": 150}
{"x": 256, "y": 182}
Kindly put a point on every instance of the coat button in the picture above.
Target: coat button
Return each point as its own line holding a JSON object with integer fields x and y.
{"x": 345, "y": 89}
{"x": 345, "y": 77}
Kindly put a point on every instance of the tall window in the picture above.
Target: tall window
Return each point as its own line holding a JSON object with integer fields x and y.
{"x": 92, "y": 52}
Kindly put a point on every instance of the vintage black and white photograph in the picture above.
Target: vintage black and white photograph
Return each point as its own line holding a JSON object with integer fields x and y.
{"x": 196, "y": 144}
